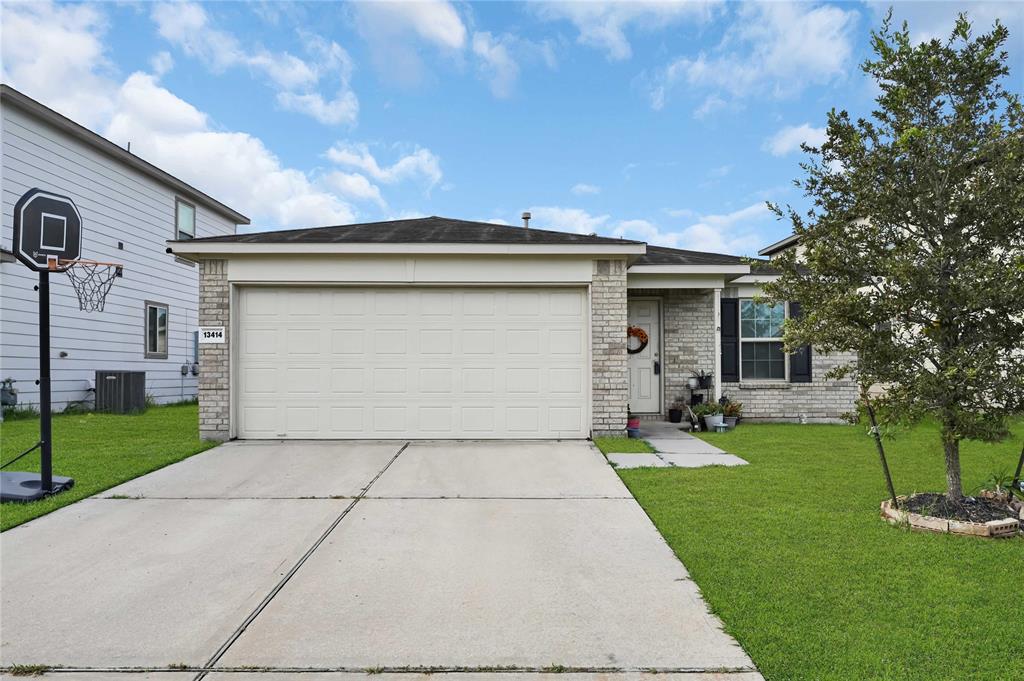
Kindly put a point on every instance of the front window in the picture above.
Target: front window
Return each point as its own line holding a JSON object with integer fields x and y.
{"x": 185, "y": 220}
{"x": 761, "y": 353}
{"x": 156, "y": 330}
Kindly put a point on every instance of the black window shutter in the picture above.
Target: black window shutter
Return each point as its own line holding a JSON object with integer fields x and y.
{"x": 730, "y": 340}
{"x": 799, "y": 361}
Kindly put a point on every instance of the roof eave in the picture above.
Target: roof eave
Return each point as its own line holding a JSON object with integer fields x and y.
{"x": 200, "y": 249}
{"x": 81, "y": 133}
{"x": 780, "y": 245}
{"x": 690, "y": 269}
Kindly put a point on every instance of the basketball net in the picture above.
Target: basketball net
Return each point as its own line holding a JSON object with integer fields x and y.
{"x": 92, "y": 280}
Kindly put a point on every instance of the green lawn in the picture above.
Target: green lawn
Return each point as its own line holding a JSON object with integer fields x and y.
{"x": 622, "y": 445}
{"x": 100, "y": 451}
{"x": 791, "y": 554}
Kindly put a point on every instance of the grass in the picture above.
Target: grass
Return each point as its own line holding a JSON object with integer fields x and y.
{"x": 99, "y": 451}
{"x": 622, "y": 445}
{"x": 791, "y": 554}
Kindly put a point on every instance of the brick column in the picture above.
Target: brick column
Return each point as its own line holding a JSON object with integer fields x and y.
{"x": 214, "y": 359}
{"x": 608, "y": 348}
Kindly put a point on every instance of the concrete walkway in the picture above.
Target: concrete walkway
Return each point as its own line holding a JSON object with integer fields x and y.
{"x": 674, "y": 447}
{"x": 338, "y": 558}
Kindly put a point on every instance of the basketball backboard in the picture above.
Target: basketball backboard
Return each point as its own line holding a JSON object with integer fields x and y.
{"x": 47, "y": 227}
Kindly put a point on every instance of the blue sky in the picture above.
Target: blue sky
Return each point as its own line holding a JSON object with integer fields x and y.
{"x": 667, "y": 122}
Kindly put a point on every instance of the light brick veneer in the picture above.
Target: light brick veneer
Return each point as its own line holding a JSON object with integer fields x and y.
{"x": 688, "y": 338}
{"x": 608, "y": 348}
{"x": 214, "y": 360}
{"x": 820, "y": 401}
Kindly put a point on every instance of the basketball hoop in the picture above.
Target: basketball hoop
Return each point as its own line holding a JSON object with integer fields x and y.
{"x": 91, "y": 279}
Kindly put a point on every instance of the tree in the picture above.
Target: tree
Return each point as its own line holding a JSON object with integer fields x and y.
{"x": 912, "y": 253}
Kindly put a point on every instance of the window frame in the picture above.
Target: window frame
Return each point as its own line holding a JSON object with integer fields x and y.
{"x": 178, "y": 234}
{"x": 145, "y": 330}
{"x": 774, "y": 339}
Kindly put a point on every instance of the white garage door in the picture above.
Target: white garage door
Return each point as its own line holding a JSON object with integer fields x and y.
{"x": 412, "y": 363}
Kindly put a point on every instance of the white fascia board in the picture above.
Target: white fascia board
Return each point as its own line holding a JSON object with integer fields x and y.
{"x": 755, "y": 279}
{"x": 191, "y": 248}
{"x": 689, "y": 269}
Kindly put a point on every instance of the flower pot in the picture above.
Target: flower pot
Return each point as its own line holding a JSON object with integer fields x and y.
{"x": 675, "y": 415}
{"x": 704, "y": 383}
{"x": 693, "y": 383}
{"x": 633, "y": 432}
{"x": 633, "y": 422}
{"x": 731, "y": 421}
{"x": 712, "y": 420}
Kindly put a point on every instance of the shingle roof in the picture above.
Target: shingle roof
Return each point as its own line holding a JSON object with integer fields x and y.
{"x": 662, "y": 255}
{"x": 431, "y": 230}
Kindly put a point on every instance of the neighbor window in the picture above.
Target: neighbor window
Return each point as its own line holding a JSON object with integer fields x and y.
{"x": 761, "y": 354}
{"x": 156, "y": 330}
{"x": 184, "y": 220}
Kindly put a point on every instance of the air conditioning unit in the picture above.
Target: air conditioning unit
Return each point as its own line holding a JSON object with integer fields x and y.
{"x": 120, "y": 392}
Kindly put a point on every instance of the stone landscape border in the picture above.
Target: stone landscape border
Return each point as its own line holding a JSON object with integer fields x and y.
{"x": 995, "y": 529}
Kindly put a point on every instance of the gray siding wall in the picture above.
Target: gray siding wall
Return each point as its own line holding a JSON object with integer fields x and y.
{"x": 118, "y": 204}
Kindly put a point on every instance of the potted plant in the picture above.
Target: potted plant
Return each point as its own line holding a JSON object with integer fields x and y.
{"x": 632, "y": 424}
{"x": 702, "y": 377}
{"x": 675, "y": 412}
{"x": 711, "y": 414}
{"x": 732, "y": 411}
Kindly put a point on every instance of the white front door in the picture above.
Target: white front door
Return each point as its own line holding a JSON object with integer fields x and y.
{"x": 395, "y": 362}
{"x": 644, "y": 369}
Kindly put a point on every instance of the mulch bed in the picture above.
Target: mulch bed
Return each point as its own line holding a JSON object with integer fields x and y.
{"x": 969, "y": 509}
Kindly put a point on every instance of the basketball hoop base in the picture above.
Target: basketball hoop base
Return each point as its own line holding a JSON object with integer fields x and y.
{"x": 18, "y": 486}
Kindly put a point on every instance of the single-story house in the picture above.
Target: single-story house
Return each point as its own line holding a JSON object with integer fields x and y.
{"x": 442, "y": 328}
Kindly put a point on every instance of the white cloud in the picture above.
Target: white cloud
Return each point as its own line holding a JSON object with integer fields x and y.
{"x": 161, "y": 62}
{"x": 55, "y": 53}
{"x": 421, "y": 164}
{"x": 734, "y": 232}
{"x": 935, "y": 19}
{"x": 234, "y": 167}
{"x": 720, "y": 171}
{"x": 189, "y": 27}
{"x": 496, "y": 63}
{"x": 603, "y": 25}
{"x": 342, "y": 109}
{"x": 354, "y": 186}
{"x": 790, "y": 138}
{"x": 567, "y": 219}
{"x": 772, "y": 48}
{"x": 582, "y": 189}
{"x": 393, "y": 30}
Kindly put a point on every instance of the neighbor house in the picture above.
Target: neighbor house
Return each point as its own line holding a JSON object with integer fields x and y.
{"x": 441, "y": 328}
{"x": 129, "y": 209}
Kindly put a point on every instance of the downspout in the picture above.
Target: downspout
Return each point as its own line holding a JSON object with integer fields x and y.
{"x": 718, "y": 343}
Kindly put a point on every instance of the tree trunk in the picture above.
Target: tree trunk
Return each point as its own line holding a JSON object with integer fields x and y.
{"x": 954, "y": 487}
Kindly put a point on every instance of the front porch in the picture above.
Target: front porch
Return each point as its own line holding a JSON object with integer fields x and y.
{"x": 682, "y": 327}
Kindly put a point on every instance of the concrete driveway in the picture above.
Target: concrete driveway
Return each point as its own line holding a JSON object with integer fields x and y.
{"x": 343, "y": 558}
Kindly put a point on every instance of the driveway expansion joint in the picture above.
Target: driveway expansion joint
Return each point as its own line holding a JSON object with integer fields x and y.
{"x": 208, "y": 667}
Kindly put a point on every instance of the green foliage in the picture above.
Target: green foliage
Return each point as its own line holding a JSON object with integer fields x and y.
{"x": 913, "y": 251}
{"x": 100, "y": 451}
{"x": 791, "y": 554}
{"x": 622, "y": 445}
{"x": 29, "y": 411}
{"x": 706, "y": 409}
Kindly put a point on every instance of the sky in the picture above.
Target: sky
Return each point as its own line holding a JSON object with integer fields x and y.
{"x": 667, "y": 122}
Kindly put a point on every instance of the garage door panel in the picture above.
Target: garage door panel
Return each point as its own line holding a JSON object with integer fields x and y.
{"x": 407, "y": 362}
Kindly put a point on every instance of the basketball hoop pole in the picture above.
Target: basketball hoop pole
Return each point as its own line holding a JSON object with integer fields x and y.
{"x": 45, "y": 422}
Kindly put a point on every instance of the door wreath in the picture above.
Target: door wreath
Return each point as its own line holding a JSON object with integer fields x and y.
{"x": 635, "y": 332}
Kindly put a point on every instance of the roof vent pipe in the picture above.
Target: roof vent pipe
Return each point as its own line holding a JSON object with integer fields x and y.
{"x": 526, "y": 219}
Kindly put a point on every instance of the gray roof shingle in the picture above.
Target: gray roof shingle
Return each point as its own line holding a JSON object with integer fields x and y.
{"x": 431, "y": 230}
